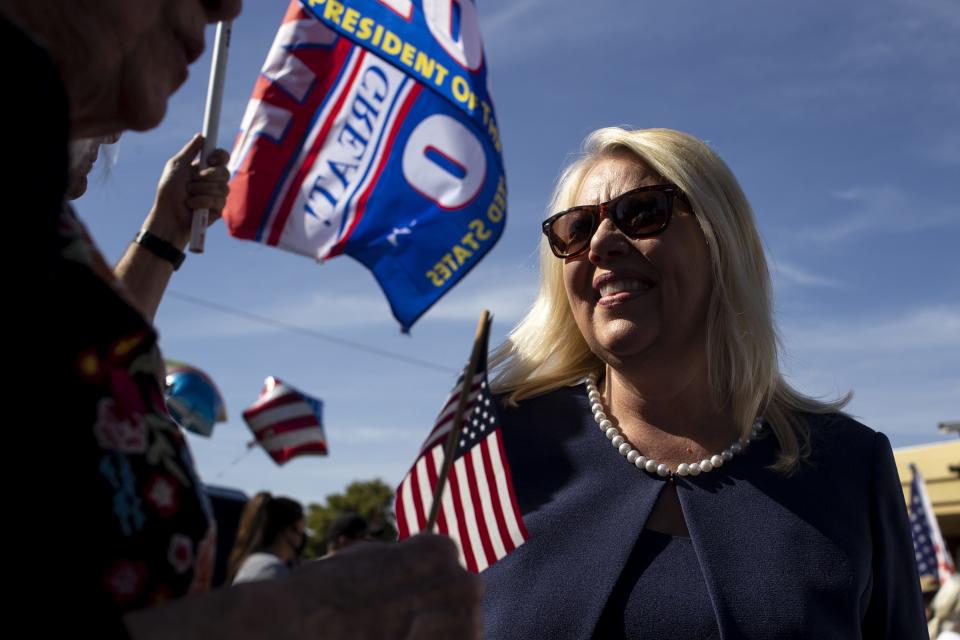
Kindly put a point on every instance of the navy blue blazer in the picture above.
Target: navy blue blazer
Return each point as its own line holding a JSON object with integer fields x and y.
{"x": 825, "y": 553}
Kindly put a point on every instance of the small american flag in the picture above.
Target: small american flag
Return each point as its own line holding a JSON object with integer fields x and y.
{"x": 286, "y": 422}
{"x": 478, "y": 508}
{"x": 933, "y": 558}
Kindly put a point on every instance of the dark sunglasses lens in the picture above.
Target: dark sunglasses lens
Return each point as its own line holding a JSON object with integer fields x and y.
{"x": 571, "y": 232}
{"x": 642, "y": 214}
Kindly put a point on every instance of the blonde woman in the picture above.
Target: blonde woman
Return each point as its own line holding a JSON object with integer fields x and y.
{"x": 673, "y": 484}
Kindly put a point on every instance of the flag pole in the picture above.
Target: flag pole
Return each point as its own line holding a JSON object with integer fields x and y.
{"x": 450, "y": 446}
{"x": 211, "y": 123}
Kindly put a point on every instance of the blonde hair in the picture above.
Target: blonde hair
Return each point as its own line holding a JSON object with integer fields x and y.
{"x": 946, "y": 608}
{"x": 546, "y": 351}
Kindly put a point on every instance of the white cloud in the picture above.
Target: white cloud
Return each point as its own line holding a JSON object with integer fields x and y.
{"x": 931, "y": 328}
{"x": 908, "y": 413}
{"x": 788, "y": 273}
{"x": 902, "y": 370}
{"x": 541, "y": 26}
{"x": 906, "y": 405}
{"x": 324, "y": 312}
{"x": 508, "y": 303}
{"x": 378, "y": 435}
{"x": 315, "y": 312}
{"x": 509, "y": 15}
{"x": 921, "y": 31}
{"x": 880, "y": 209}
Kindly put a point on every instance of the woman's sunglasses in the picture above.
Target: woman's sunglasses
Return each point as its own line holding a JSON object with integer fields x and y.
{"x": 639, "y": 213}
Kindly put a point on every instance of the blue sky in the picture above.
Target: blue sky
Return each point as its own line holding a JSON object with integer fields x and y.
{"x": 841, "y": 120}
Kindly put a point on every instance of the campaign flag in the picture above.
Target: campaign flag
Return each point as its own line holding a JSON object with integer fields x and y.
{"x": 478, "y": 507}
{"x": 286, "y": 422}
{"x": 371, "y": 132}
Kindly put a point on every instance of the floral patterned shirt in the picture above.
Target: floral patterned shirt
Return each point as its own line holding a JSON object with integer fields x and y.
{"x": 150, "y": 527}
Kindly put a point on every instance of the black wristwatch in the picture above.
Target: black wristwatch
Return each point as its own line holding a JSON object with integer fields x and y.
{"x": 160, "y": 248}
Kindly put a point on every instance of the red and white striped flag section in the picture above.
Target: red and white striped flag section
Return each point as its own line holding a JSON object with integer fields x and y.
{"x": 478, "y": 508}
{"x": 286, "y": 422}
{"x": 934, "y": 563}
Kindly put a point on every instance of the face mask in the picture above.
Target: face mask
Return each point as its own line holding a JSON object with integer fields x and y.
{"x": 298, "y": 545}
{"x": 298, "y": 548}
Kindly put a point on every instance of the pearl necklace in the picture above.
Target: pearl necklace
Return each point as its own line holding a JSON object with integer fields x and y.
{"x": 649, "y": 464}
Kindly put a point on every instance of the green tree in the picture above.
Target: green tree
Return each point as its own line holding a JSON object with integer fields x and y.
{"x": 370, "y": 499}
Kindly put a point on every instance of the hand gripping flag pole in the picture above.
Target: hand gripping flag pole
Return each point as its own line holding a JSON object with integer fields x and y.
{"x": 211, "y": 124}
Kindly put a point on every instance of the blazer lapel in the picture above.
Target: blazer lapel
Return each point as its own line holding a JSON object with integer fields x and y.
{"x": 584, "y": 507}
